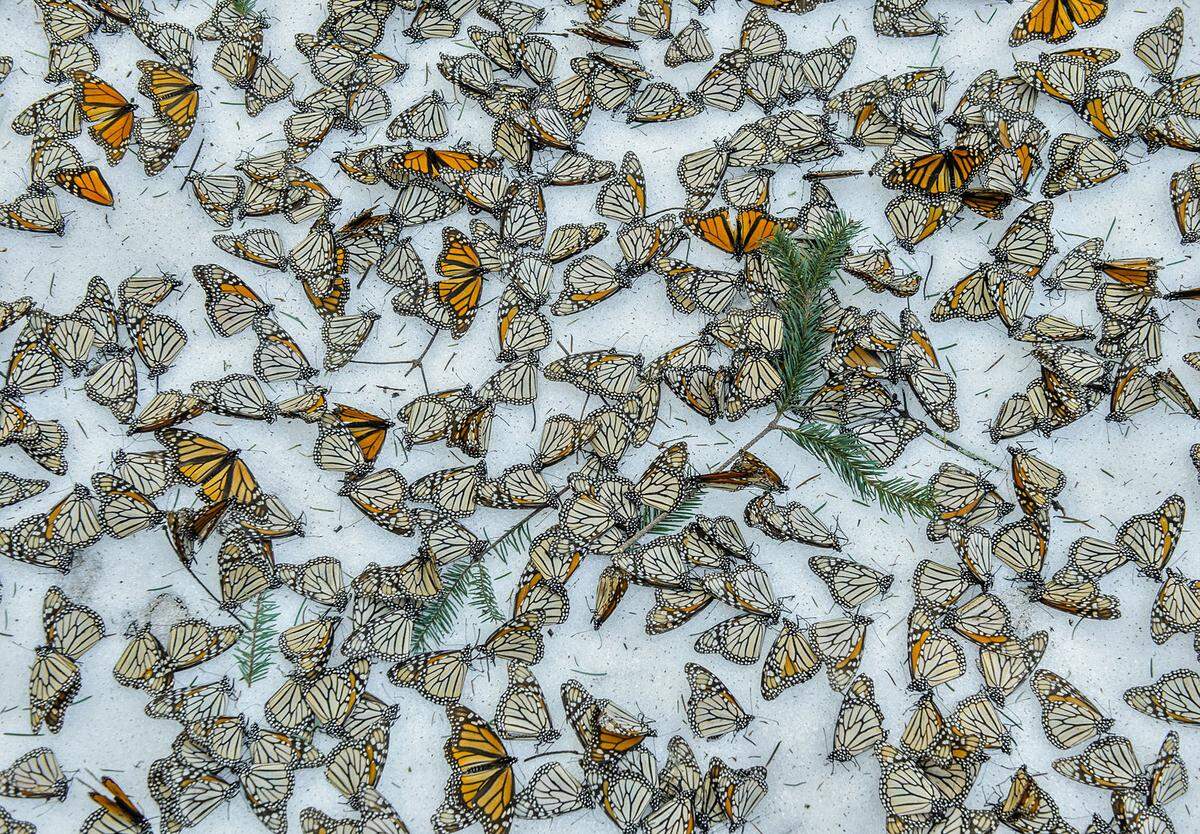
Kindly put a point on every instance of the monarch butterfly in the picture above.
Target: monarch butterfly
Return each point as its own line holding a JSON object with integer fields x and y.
{"x": 117, "y": 813}
{"x": 54, "y": 680}
{"x": 156, "y": 339}
{"x": 355, "y": 767}
{"x": 850, "y": 583}
{"x": 752, "y": 228}
{"x": 482, "y": 786}
{"x": 145, "y": 664}
{"x": 1037, "y": 484}
{"x": 712, "y": 711}
{"x": 1108, "y": 763}
{"x": 218, "y": 195}
{"x": 344, "y": 336}
{"x": 169, "y": 41}
{"x": 792, "y": 659}
{"x": 933, "y": 658}
{"x": 1078, "y": 163}
{"x": 689, "y": 45}
{"x": 175, "y": 96}
{"x": 380, "y": 496}
{"x": 314, "y": 821}
{"x": 226, "y": 22}
{"x": 964, "y": 500}
{"x": 58, "y": 111}
{"x": 904, "y": 788}
{"x": 1176, "y": 608}
{"x": 905, "y": 19}
{"x": 35, "y": 211}
{"x": 840, "y": 644}
{"x": 215, "y": 468}
{"x": 278, "y": 357}
{"x": 1158, "y": 47}
{"x": 913, "y": 218}
{"x": 438, "y": 676}
{"x": 1027, "y": 806}
{"x": 14, "y": 489}
{"x": 1151, "y": 538}
{"x": 1068, "y": 717}
{"x": 859, "y": 725}
{"x": 232, "y": 306}
{"x": 1174, "y": 697}
{"x": 109, "y": 112}
{"x": 35, "y": 775}
{"x": 521, "y": 712}
{"x": 237, "y": 395}
{"x": 983, "y": 619}
{"x": 123, "y": 510}
{"x": 934, "y": 172}
{"x": 1055, "y": 21}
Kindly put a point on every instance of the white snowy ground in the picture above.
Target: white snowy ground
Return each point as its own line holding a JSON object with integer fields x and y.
{"x": 1113, "y": 471}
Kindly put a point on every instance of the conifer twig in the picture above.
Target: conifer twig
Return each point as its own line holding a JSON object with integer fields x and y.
{"x": 847, "y": 458}
{"x": 466, "y": 582}
{"x": 807, "y": 269}
{"x": 256, "y": 648}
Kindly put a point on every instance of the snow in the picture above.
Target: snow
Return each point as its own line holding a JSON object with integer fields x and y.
{"x": 1113, "y": 471}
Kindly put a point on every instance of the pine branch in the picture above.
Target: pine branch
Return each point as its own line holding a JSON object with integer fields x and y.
{"x": 255, "y": 652}
{"x": 845, "y": 456}
{"x": 665, "y": 524}
{"x": 807, "y": 268}
{"x": 515, "y": 541}
{"x": 466, "y": 583}
{"x": 483, "y": 594}
{"x": 245, "y": 8}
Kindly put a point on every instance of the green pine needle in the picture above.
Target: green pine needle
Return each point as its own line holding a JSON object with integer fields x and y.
{"x": 846, "y": 457}
{"x": 466, "y": 583}
{"x": 807, "y": 267}
{"x": 255, "y": 650}
{"x": 245, "y": 8}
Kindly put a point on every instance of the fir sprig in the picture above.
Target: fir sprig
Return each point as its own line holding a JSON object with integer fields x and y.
{"x": 465, "y": 583}
{"x": 255, "y": 651}
{"x": 245, "y": 8}
{"x": 808, "y": 268}
{"x": 665, "y": 524}
{"x": 846, "y": 457}
{"x": 514, "y": 541}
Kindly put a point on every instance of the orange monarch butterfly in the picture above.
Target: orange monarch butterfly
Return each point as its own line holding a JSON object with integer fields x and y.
{"x": 482, "y": 785}
{"x": 176, "y": 97}
{"x": 1055, "y": 21}
{"x": 211, "y": 465}
{"x": 939, "y": 172}
{"x": 753, "y": 227}
{"x": 117, "y": 814}
{"x": 109, "y": 112}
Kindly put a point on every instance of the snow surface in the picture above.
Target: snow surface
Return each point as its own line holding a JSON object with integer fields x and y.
{"x": 1113, "y": 471}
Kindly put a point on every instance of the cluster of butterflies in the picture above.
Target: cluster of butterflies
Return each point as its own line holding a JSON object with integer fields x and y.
{"x": 109, "y": 115}
{"x": 539, "y": 112}
{"x": 1053, "y": 21}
